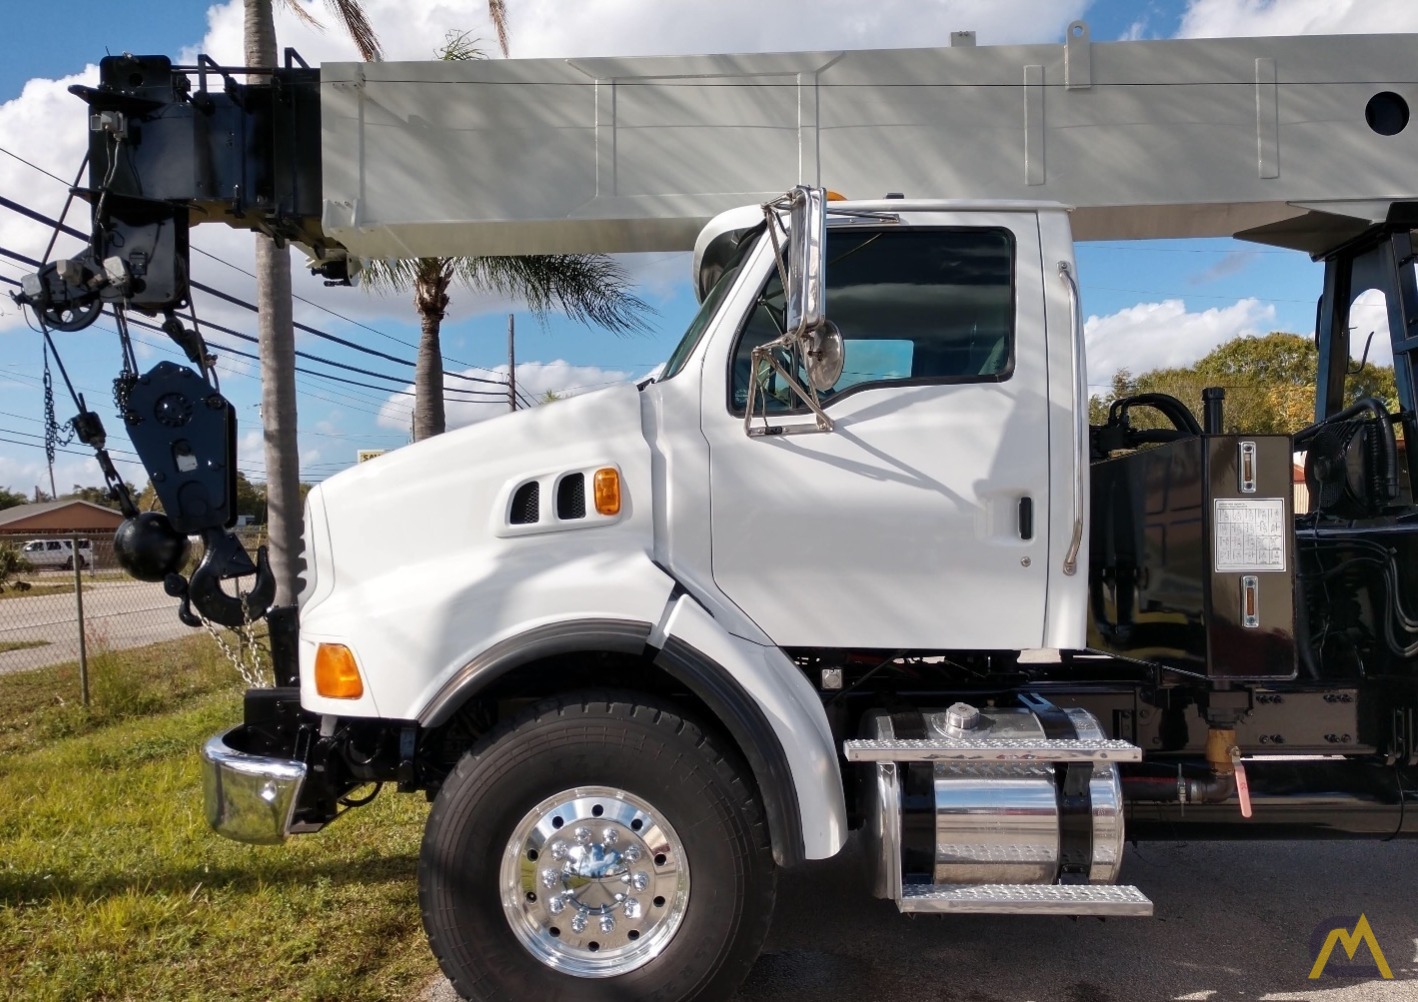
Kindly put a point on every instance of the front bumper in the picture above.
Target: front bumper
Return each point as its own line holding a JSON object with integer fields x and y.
{"x": 250, "y": 798}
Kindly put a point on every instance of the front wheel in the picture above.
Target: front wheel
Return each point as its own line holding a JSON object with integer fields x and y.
{"x": 600, "y": 847}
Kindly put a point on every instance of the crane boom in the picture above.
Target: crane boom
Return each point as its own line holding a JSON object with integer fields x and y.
{"x": 1185, "y": 138}
{"x": 1302, "y": 142}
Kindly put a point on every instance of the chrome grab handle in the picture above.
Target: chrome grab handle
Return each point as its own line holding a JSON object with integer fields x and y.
{"x": 1080, "y": 433}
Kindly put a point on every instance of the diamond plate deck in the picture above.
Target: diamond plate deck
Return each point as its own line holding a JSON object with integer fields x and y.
{"x": 1027, "y": 899}
{"x": 990, "y": 750}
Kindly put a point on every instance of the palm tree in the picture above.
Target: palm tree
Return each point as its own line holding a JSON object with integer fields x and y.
{"x": 277, "y": 337}
{"x": 591, "y": 288}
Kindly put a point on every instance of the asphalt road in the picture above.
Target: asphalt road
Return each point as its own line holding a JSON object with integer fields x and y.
{"x": 1234, "y": 921}
{"x": 118, "y": 615}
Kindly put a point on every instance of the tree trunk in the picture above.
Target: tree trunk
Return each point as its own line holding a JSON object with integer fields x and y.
{"x": 429, "y": 416}
{"x": 277, "y": 344}
{"x": 431, "y": 300}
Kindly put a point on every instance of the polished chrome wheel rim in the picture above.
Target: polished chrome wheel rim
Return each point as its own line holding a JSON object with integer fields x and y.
{"x": 594, "y": 882}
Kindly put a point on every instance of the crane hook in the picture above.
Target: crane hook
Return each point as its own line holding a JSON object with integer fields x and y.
{"x": 226, "y": 558}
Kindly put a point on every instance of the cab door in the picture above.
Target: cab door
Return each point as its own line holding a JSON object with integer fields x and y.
{"x": 921, "y": 519}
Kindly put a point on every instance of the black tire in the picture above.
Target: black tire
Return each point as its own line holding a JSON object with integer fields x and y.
{"x": 69, "y": 564}
{"x": 631, "y": 743}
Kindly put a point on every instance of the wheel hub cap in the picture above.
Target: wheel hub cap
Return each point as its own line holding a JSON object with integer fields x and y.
{"x": 595, "y": 882}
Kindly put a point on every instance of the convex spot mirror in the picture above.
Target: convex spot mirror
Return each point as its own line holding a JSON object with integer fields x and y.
{"x": 823, "y": 356}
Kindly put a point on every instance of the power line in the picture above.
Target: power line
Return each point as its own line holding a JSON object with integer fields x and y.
{"x": 35, "y": 166}
{"x": 495, "y": 394}
{"x": 238, "y": 268}
{"x": 337, "y": 314}
{"x": 314, "y": 358}
{"x": 226, "y": 297}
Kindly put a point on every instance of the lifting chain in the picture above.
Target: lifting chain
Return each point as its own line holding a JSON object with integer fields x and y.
{"x": 246, "y": 657}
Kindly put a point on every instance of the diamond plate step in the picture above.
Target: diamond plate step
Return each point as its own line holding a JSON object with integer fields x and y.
{"x": 1026, "y": 899}
{"x": 990, "y": 750}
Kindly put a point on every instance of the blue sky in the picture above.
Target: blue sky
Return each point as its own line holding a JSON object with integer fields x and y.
{"x": 1202, "y": 288}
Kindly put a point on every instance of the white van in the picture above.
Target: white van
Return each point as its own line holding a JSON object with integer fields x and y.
{"x": 42, "y": 553}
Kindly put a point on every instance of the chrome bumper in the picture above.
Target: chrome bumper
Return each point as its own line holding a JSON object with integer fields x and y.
{"x": 250, "y": 798}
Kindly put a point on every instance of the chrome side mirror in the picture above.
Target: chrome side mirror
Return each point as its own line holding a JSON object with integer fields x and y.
{"x": 810, "y": 344}
{"x": 807, "y": 259}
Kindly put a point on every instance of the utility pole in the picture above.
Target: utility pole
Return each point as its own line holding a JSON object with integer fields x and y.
{"x": 511, "y": 361}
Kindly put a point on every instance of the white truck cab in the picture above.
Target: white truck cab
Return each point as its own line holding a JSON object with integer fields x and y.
{"x": 856, "y": 560}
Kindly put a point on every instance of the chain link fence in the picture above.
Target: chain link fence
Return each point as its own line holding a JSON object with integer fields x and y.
{"x": 64, "y": 598}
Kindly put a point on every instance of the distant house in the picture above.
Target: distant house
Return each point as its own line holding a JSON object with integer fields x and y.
{"x": 50, "y": 517}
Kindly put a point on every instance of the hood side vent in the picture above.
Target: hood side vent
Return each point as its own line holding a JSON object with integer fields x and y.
{"x": 571, "y": 497}
{"x": 526, "y": 504}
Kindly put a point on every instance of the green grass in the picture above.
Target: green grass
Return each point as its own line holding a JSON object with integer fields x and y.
{"x": 57, "y": 585}
{"x": 20, "y": 645}
{"x": 112, "y": 886}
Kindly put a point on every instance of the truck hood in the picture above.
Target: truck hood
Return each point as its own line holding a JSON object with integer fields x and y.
{"x": 415, "y": 557}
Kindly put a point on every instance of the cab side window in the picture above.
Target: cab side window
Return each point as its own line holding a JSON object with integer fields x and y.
{"x": 914, "y": 307}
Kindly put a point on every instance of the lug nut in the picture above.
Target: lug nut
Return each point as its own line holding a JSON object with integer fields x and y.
{"x": 640, "y": 881}
{"x": 632, "y": 853}
{"x": 558, "y": 850}
{"x": 607, "y": 924}
{"x": 556, "y": 905}
{"x": 578, "y": 924}
{"x": 632, "y": 908}
{"x": 610, "y": 836}
{"x": 583, "y": 835}
{"x": 550, "y": 877}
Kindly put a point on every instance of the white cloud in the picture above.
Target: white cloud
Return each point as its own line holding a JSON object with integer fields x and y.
{"x": 1369, "y": 315}
{"x": 251, "y": 453}
{"x": 1223, "y": 18}
{"x": 554, "y": 28}
{"x": 1165, "y": 335}
{"x": 534, "y": 381}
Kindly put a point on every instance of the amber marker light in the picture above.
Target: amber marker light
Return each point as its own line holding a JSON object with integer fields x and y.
{"x": 336, "y": 674}
{"x": 606, "y": 483}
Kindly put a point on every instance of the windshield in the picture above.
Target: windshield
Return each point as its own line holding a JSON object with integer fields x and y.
{"x": 706, "y": 313}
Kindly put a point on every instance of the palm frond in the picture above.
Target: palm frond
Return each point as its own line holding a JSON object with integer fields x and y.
{"x": 388, "y": 275}
{"x": 497, "y": 10}
{"x": 357, "y": 26}
{"x": 591, "y": 288}
{"x": 295, "y": 8}
{"x": 351, "y": 17}
{"x": 458, "y": 47}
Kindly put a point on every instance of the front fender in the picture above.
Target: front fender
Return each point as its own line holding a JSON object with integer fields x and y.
{"x": 774, "y": 716}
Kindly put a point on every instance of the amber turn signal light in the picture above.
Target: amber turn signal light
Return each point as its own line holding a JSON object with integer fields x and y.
{"x": 336, "y": 674}
{"x": 607, "y": 490}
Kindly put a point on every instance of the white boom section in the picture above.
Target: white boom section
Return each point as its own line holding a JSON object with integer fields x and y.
{"x": 1205, "y": 137}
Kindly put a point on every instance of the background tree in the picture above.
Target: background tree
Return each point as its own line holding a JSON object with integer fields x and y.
{"x": 95, "y": 495}
{"x": 250, "y": 498}
{"x": 273, "y": 301}
{"x": 1269, "y": 383}
{"x": 9, "y": 498}
{"x": 591, "y": 288}
{"x": 12, "y": 565}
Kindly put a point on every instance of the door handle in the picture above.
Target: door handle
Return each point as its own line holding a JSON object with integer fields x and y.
{"x": 1026, "y": 517}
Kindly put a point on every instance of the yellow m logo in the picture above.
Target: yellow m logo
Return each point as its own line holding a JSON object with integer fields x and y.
{"x": 1350, "y": 941}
